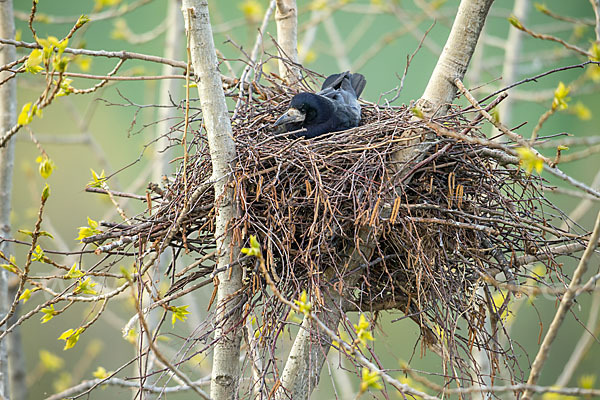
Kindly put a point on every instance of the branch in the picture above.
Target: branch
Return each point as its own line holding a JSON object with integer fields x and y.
{"x": 225, "y": 372}
{"x": 123, "y": 55}
{"x": 517, "y": 24}
{"x": 86, "y": 385}
{"x": 564, "y": 307}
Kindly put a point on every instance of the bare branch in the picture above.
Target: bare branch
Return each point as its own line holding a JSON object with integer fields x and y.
{"x": 564, "y": 307}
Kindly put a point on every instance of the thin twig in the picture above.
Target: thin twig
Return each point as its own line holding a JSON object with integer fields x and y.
{"x": 565, "y": 305}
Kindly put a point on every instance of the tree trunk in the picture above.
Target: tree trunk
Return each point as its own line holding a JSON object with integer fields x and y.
{"x": 454, "y": 60}
{"x": 8, "y": 117}
{"x": 225, "y": 372}
{"x": 287, "y": 37}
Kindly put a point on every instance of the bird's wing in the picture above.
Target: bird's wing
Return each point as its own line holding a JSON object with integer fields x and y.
{"x": 337, "y": 81}
{"x": 358, "y": 83}
{"x": 334, "y": 81}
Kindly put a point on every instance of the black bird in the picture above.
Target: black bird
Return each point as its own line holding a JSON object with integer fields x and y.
{"x": 334, "y": 108}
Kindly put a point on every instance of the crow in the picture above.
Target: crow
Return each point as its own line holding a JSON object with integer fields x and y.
{"x": 334, "y": 108}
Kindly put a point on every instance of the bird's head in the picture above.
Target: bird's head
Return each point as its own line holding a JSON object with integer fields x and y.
{"x": 305, "y": 108}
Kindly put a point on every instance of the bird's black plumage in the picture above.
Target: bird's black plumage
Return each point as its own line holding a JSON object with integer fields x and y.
{"x": 334, "y": 108}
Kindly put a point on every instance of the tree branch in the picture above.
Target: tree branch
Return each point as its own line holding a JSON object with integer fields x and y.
{"x": 564, "y": 307}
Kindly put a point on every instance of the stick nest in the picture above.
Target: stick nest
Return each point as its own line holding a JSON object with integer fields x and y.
{"x": 429, "y": 232}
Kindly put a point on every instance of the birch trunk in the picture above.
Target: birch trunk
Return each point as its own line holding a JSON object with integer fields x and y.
{"x": 8, "y": 117}
{"x": 455, "y": 57}
{"x": 287, "y": 38}
{"x": 309, "y": 351}
{"x": 225, "y": 371}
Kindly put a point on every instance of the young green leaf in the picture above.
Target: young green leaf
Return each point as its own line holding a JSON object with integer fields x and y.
{"x": 71, "y": 337}
{"x": 85, "y": 287}
{"x": 49, "y": 313}
{"x": 179, "y": 313}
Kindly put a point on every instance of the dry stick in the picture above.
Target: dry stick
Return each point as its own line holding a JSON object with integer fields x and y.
{"x": 514, "y": 136}
{"x": 23, "y": 279}
{"x": 123, "y": 55}
{"x": 115, "y": 193}
{"x": 550, "y": 167}
{"x": 565, "y": 305}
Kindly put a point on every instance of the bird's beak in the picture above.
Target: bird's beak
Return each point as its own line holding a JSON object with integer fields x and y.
{"x": 292, "y": 115}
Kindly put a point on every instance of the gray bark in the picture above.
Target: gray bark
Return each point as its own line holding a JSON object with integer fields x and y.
{"x": 455, "y": 57}
{"x": 287, "y": 38}
{"x": 225, "y": 372}
{"x": 8, "y": 118}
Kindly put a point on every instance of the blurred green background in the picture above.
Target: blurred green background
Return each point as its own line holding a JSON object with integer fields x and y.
{"x": 377, "y": 36}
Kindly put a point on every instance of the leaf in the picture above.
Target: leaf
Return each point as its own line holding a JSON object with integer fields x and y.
{"x": 40, "y": 233}
{"x": 97, "y": 180}
{"x": 514, "y": 21}
{"x": 45, "y": 192}
{"x": 85, "y": 287}
{"x": 74, "y": 273}
{"x": 179, "y": 313}
{"x": 87, "y": 231}
{"x": 252, "y": 10}
{"x": 595, "y": 52}
{"x": 38, "y": 254}
{"x": 560, "y": 97}
{"x": 46, "y": 166}
{"x": 32, "y": 64}
{"x": 83, "y": 19}
{"x": 51, "y": 362}
{"x": 363, "y": 334}
{"x": 529, "y": 160}
{"x": 369, "y": 380}
{"x": 49, "y": 313}
{"x": 25, "y": 117}
{"x": 303, "y": 304}
{"x": 581, "y": 111}
{"x": 71, "y": 337}
{"x": 26, "y": 295}
{"x": 100, "y": 373}
{"x": 254, "y": 249}
{"x": 12, "y": 266}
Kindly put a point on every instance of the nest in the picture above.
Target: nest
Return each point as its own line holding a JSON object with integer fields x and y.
{"x": 430, "y": 233}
